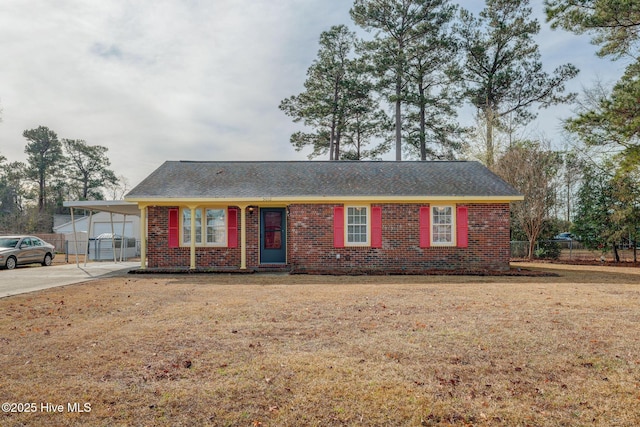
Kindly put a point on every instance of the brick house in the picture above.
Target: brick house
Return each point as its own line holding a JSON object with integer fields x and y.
{"x": 384, "y": 217}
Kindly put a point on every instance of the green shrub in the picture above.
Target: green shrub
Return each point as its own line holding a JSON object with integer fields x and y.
{"x": 547, "y": 249}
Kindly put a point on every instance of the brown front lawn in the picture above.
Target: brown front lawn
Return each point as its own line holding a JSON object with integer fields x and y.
{"x": 278, "y": 350}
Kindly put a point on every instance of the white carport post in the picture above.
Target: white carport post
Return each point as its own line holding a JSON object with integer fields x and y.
{"x": 124, "y": 221}
{"x": 113, "y": 238}
{"x": 86, "y": 248}
{"x": 75, "y": 238}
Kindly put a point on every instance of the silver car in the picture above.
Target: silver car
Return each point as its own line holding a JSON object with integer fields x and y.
{"x": 18, "y": 250}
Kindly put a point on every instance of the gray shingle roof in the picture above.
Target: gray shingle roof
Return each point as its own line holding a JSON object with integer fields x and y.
{"x": 283, "y": 179}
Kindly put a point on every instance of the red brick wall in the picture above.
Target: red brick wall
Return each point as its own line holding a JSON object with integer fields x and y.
{"x": 160, "y": 255}
{"x": 310, "y": 243}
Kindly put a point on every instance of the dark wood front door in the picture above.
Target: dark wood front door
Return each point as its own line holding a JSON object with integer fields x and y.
{"x": 273, "y": 236}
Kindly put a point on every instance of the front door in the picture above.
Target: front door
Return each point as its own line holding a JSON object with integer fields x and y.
{"x": 273, "y": 236}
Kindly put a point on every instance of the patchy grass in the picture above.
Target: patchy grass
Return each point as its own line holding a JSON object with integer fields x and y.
{"x": 276, "y": 350}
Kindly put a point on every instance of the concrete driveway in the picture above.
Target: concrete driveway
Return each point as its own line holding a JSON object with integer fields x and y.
{"x": 34, "y": 278}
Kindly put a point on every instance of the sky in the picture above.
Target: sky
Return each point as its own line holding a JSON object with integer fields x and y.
{"x": 192, "y": 79}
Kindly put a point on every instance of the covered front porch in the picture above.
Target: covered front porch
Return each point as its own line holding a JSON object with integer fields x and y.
{"x": 205, "y": 236}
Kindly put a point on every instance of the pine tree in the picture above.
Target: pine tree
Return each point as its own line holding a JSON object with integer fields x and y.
{"x": 503, "y": 67}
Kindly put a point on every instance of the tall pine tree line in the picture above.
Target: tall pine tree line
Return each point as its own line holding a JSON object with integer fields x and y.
{"x": 55, "y": 170}
{"x": 403, "y": 85}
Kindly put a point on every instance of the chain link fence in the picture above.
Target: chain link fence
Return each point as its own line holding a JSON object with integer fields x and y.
{"x": 102, "y": 248}
{"x": 547, "y": 248}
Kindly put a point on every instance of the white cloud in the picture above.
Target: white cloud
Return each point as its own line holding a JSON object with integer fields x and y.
{"x": 171, "y": 79}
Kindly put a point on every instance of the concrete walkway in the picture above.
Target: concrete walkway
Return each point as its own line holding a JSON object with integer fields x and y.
{"x": 34, "y": 278}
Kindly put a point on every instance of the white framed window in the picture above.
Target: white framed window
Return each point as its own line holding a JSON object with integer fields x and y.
{"x": 210, "y": 226}
{"x": 357, "y": 226}
{"x": 186, "y": 226}
{"x": 216, "y": 226}
{"x": 442, "y": 226}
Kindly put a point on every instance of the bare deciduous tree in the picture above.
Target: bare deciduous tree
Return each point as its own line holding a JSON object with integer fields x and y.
{"x": 532, "y": 170}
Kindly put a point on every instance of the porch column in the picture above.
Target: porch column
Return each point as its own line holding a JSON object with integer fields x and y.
{"x": 192, "y": 266}
{"x": 143, "y": 237}
{"x": 243, "y": 238}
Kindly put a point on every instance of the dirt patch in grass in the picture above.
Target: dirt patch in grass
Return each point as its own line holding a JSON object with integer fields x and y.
{"x": 280, "y": 350}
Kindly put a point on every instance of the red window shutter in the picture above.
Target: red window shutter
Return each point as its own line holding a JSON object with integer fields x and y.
{"x": 462, "y": 226}
{"x": 338, "y": 227}
{"x": 376, "y": 227}
{"x": 425, "y": 226}
{"x": 232, "y": 228}
{"x": 174, "y": 228}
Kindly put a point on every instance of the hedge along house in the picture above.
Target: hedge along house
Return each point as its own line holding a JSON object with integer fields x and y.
{"x": 325, "y": 217}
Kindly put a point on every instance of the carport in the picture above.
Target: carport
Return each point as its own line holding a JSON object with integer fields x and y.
{"x": 112, "y": 207}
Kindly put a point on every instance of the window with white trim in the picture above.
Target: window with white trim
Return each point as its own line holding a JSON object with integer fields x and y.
{"x": 357, "y": 225}
{"x": 442, "y": 225}
{"x": 210, "y": 227}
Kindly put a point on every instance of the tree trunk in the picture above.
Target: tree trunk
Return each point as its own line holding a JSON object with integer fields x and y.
{"x": 423, "y": 125}
{"x": 336, "y": 145}
{"x": 398, "y": 122}
{"x": 532, "y": 244}
{"x": 41, "y": 195}
{"x": 489, "y": 139}
{"x": 358, "y": 144}
{"x": 332, "y": 141}
{"x": 616, "y": 255}
{"x": 399, "y": 75}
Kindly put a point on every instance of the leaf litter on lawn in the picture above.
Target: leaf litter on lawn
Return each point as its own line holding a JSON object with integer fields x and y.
{"x": 277, "y": 350}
